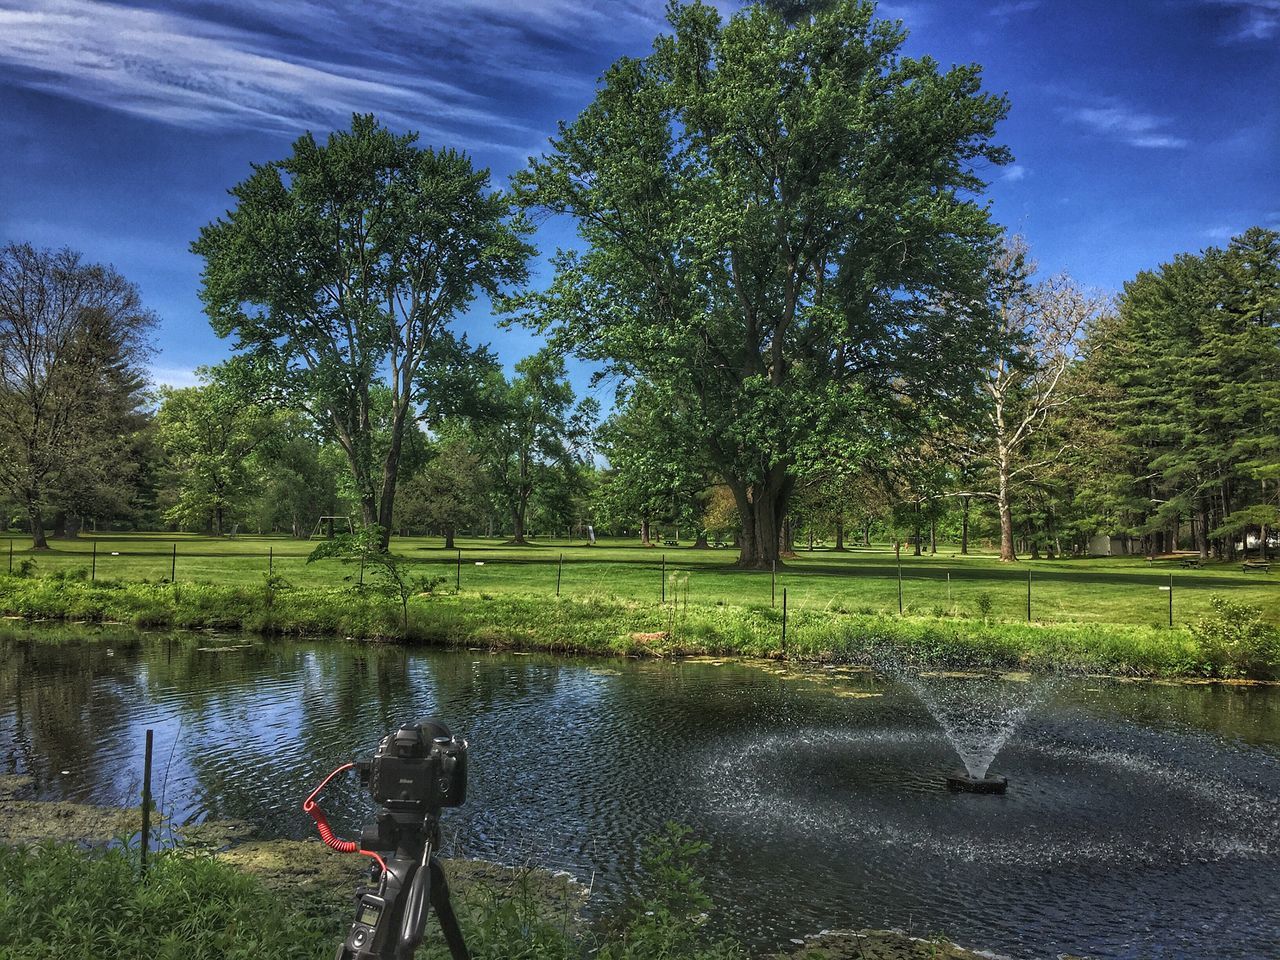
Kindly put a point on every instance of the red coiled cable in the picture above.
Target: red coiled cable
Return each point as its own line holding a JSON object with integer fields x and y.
{"x": 310, "y": 806}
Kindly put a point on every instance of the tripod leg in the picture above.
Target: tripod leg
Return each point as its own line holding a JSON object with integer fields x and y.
{"x": 443, "y": 905}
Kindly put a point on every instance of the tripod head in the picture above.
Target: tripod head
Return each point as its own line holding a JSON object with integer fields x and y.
{"x": 416, "y": 771}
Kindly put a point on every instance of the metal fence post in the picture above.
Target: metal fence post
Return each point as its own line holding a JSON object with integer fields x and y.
{"x": 773, "y": 584}
{"x": 1171, "y": 599}
{"x": 899, "y": 586}
{"x": 1028, "y": 594}
{"x": 93, "y": 568}
{"x": 664, "y": 578}
{"x": 559, "y": 571}
{"x": 784, "y": 619}
{"x": 173, "y": 566}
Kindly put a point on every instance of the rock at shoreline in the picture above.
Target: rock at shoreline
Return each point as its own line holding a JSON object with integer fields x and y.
{"x": 885, "y": 945}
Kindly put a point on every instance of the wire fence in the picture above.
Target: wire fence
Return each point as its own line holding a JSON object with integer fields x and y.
{"x": 867, "y": 582}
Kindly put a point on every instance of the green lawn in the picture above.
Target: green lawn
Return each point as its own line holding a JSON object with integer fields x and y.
{"x": 1119, "y": 590}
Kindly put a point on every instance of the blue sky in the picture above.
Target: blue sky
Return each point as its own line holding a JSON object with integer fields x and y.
{"x": 1141, "y": 128}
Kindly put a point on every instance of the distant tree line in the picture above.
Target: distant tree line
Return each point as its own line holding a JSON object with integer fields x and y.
{"x": 785, "y": 266}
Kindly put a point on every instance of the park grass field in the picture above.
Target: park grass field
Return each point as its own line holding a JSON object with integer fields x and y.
{"x": 1116, "y": 590}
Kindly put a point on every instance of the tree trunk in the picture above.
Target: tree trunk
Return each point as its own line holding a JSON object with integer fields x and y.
{"x": 761, "y": 508}
{"x": 1007, "y": 554}
{"x": 916, "y": 532}
{"x": 644, "y": 534}
{"x": 448, "y": 537}
{"x": 519, "y": 516}
{"x": 866, "y": 531}
{"x": 839, "y": 547}
{"x": 787, "y": 538}
{"x": 1265, "y": 531}
{"x": 933, "y": 536}
{"x": 964, "y": 526}
{"x": 701, "y": 542}
{"x": 36, "y": 518}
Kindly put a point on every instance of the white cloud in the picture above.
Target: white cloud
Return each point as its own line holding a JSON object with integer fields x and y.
{"x": 1254, "y": 19}
{"x": 311, "y": 63}
{"x": 1013, "y": 8}
{"x": 173, "y": 376}
{"x": 1127, "y": 125}
{"x": 1014, "y": 173}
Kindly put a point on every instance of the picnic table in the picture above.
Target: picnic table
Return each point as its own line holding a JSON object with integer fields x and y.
{"x": 1190, "y": 562}
{"x": 671, "y": 543}
{"x": 1263, "y": 565}
{"x": 1182, "y": 556}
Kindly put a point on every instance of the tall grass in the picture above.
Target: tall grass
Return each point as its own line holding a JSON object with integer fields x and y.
{"x": 63, "y": 902}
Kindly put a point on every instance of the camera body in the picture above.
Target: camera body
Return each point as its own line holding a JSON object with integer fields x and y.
{"x": 420, "y": 768}
{"x": 416, "y": 771}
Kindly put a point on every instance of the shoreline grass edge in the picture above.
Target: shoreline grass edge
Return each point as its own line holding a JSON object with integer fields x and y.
{"x": 609, "y": 626}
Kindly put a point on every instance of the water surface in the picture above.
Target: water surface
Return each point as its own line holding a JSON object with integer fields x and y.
{"x": 1142, "y": 820}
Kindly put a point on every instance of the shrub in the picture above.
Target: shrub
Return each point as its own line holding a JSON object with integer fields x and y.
{"x": 667, "y": 920}
{"x": 1236, "y": 641}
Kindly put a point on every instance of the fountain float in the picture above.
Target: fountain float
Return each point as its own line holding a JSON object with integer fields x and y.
{"x": 978, "y": 713}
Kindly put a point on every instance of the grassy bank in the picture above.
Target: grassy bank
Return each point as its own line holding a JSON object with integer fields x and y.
{"x": 1234, "y": 641}
{"x": 1110, "y": 590}
{"x": 63, "y": 902}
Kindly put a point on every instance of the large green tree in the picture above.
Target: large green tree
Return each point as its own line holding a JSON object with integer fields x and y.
{"x": 656, "y": 469}
{"x": 773, "y": 214}
{"x": 73, "y": 338}
{"x": 1185, "y": 388}
{"x": 528, "y": 432}
{"x": 449, "y": 491}
{"x": 212, "y": 435}
{"x": 339, "y": 268}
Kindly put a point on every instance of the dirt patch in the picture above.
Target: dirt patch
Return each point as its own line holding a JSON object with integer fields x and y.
{"x": 324, "y": 881}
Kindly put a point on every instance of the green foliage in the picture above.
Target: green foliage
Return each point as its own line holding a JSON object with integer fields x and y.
{"x": 1184, "y": 387}
{"x": 60, "y": 903}
{"x": 381, "y": 571}
{"x": 342, "y": 265}
{"x": 210, "y": 435}
{"x": 984, "y": 602}
{"x": 668, "y": 919}
{"x": 766, "y": 207}
{"x": 65, "y": 902}
{"x": 74, "y": 339}
{"x": 528, "y": 434}
{"x": 598, "y": 624}
{"x": 449, "y": 492}
{"x": 1237, "y": 642}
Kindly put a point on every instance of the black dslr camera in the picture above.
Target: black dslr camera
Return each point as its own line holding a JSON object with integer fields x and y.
{"x": 415, "y": 773}
{"x": 420, "y": 767}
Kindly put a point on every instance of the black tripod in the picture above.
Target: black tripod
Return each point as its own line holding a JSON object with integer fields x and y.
{"x": 391, "y": 917}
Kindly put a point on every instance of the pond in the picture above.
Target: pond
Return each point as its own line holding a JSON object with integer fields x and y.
{"x": 1141, "y": 820}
